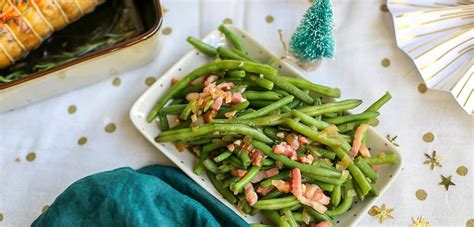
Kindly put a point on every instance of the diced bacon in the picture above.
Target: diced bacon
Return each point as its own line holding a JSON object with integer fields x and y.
{"x": 265, "y": 190}
{"x": 238, "y": 173}
{"x": 303, "y": 140}
{"x": 209, "y": 116}
{"x": 309, "y": 190}
{"x": 280, "y": 135}
{"x": 217, "y": 104}
{"x": 225, "y": 86}
{"x": 296, "y": 187}
{"x": 292, "y": 140}
{"x": 210, "y": 79}
{"x": 174, "y": 80}
{"x": 236, "y": 98}
{"x": 284, "y": 148}
{"x": 230, "y": 147}
{"x": 376, "y": 168}
{"x": 279, "y": 148}
{"x": 308, "y": 159}
{"x": 282, "y": 186}
{"x": 227, "y": 97}
{"x": 265, "y": 174}
{"x": 257, "y": 158}
{"x": 364, "y": 151}
{"x": 250, "y": 194}
{"x": 359, "y": 134}
{"x": 192, "y": 96}
{"x": 323, "y": 224}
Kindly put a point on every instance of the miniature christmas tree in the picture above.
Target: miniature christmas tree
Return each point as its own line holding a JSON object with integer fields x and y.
{"x": 313, "y": 39}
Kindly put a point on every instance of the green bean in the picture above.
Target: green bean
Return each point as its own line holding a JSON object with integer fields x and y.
{"x": 244, "y": 55}
{"x": 211, "y": 166}
{"x": 273, "y": 194}
{"x": 320, "y": 152}
{"x": 296, "y": 207}
{"x": 229, "y": 54}
{"x": 232, "y": 38}
{"x": 222, "y": 129}
{"x": 206, "y": 70}
{"x": 182, "y": 125}
{"x": 293, "y": 164}
{"x": 379, "y": 103}
{"x": 236, "y": 73}
{"x": 331, "y": 107}
{"x": 163, "y": 124}
{"x": 197, "y": 141}
{"x": 223, "y": 156}
{"x": 284, "y": 175}
{"x": 260, "y": 103}
{"x": 320, "y": 125}
{"x": 233, "y": 160}
{"x": 359, "y": 193}
{"x": 237, "y": 107}
{"x": 320, "y": 89}
{"x": 281, "y": 91}
{"x": 199, "y": 168}
{"x": 223, "y": 168}
{"x": 275, "y": 218}
{"x": 259, "y": 225}
{"x": 244, "y": 157}
{"x": 324, "y": 186}
{"x": 285, "y": 109}
{"x": 353, "y": 169}
{"x": 293, "y": 104}
{"x": 374, "y": 191}
{"x": 261, "y": 82}
{"x": 187, "y": 110}
{"x": 320, "y": 217}
{"x": 343, "y": 207}
{"x": 366, "y": 169}
{"x": 238, "y": 186}
{"x": 226, "y": 183}
{"x": 265, "y": 110}
{"x": 290, "y": 88}
{"x": 211, "y": 147}
{"x": 185, "y": 91}
{"x": 351, "y": 118}
{"x": 262, "y": 95}
{"x": 336, "y": 196}
{"x": 382, "y": 158}
{"x": 202, "y": 46}
{"x": 312, "y": 134}
{"x": 271, "y": 133}
{"x": 173, "y": 109}
{"x": 276, "y": 204}
{"x": 177, "y": 101}
{"x": 299, "y": 217}
{"x": 329, "y": 115}
{"x": 329, "y": 180}
{"x": 222, "y": 189}
{"x": 244, "y": 205}
{"x": 289, "y": 217}
{"x": 268, "y": 162}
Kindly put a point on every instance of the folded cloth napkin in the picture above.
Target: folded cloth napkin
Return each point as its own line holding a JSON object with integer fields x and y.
{"x": 152, "y": 196}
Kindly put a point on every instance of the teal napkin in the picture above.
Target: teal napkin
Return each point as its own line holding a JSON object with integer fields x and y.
{"x": 152, "y": 196}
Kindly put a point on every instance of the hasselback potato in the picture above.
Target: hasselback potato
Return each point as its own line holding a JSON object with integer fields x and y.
{"x": 24, "y": 24}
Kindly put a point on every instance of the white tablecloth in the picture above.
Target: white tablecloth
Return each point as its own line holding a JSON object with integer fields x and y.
{"x": 364, "y": 37}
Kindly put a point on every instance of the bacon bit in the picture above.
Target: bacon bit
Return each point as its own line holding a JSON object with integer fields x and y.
{"x": 192, "y": 96}
{"x": 323, "y": 224}
{"x": 265, "y": 174}
{"x": 265, "y": 190}
{"x": 364, "y": 151}
{"x": 210, "y": 79}
{"x": 376, "y": 168}
{"x": 292, "y": 140}
{"x": 359, "y": 134}
{"x": 209, "y": 116}
{"x": 227, "y": 97}
{"x": 230, "y": 147}
{"x": 257, "y": 158}
{"x": 250, "y": 194}
{"x": 282, "y": 186}
{"x": 225, "y": 86}
{"x": 296, "y": 188}
{"x": 303, "y": 140}
{"x": 174, "y": 80}
{"x": 280, "y": 135}
{"x": 308, "y": 159}
{"x": 284, "y": 148}
{"x": 217, "y": 104}
{"x": 279, "y": 148}
{"x": 236, "y": 98}
{"x": 230, "y": 114}
{"x": 238, "y": 173}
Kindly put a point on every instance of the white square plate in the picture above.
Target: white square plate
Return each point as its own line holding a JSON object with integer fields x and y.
{"x": 186, "y": 161}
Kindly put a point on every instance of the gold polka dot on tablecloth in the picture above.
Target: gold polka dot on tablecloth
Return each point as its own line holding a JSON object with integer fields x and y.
{"x": 31, "y": 156}
{"x": 17, "y": 159}
{"x": 385, "y": 62}
{"x": 428, "y": 137}
{"x": 462, "y": 171}
{"x": 1, "y": 217}
{"x": 384, "y": 8}
{"x": 421, "y": 194}
{"x": 470, "y": 222}
{"x": 422, "y": 88}
{"x": 44, "y": 209}
{"x": 82, "y": 141}
{"x": 269, "y": 19}
{"x": 71, "y": 109}
{"x": 116, "y": 82}
{"x": 150, "y": 81}
{"x": 227, "y": 21}
{"x": 167, "y": 31}
{"x": 110, "y": 128}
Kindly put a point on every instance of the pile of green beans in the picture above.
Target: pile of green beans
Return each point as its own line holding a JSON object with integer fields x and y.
{"x": 274, "y": 110}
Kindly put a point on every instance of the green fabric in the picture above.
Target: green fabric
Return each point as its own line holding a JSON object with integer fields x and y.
{"x": 152, "y": 196}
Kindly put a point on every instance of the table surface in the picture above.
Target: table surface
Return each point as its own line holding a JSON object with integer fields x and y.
{"x": 42, "y": 148}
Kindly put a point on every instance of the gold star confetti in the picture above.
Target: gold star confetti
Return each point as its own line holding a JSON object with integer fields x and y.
{"x": 392, "y": 140}
{"x": 433, "y": 160}
{"x": 420, "y": 222}
{"x": 446, "y": 181}
{"x": 382, "y": 213}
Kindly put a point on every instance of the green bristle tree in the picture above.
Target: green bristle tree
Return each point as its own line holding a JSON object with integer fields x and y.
{"x": 313, "y": 38}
